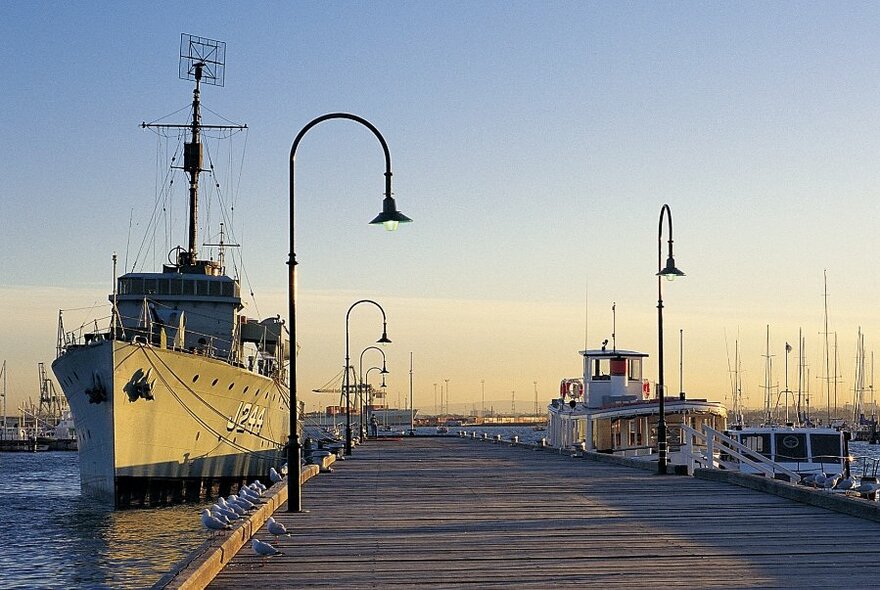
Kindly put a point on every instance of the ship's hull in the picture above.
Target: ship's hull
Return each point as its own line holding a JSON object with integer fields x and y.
{"x": 157, "y": 425}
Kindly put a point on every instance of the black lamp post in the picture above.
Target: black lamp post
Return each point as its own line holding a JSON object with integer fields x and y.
{"x": 346, "y": 386}
{"x": 390, "y": 217}
{"x": 364, "y": 400}
{"x": 670, "y": 272}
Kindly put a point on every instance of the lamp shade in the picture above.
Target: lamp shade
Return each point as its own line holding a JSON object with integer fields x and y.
{"x": 670, "y": 272}
{"x": 390, "y": 217}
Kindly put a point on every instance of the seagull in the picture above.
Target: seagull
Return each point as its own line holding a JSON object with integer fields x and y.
{"x": 244, "y": 503}
{"x": 276, "y": 528}
{"x": 274, "y": 475}
{"x": 264, "y": 550}
{"x": 212, "y": 523}
{"x": 819, "y": 480}
{"x": 830, "y": 482}
{"x": 284, "y": 469}
{"x": 248, "y": 494}
{"x": 238, "y": 504}
{"x": 846, "y": 484}
{"x": 258, "y": 485}
{"x": 227, "y": 512}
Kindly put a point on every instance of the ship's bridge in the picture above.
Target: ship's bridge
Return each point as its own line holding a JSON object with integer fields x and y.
{"x": 196, "y": 311}
{"x": 612, "y": 376}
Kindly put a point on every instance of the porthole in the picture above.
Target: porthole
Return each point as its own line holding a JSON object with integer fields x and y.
{"x": 198, "y": 434}
{"x": 214, "y": 382}
{"x": 257, "y": 393}
{"x": 246, "y": 387}
{"x": 195, "y": 378}
{"x": 231, "y": 385}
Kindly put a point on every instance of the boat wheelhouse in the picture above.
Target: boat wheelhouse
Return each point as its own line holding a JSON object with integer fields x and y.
{"x": 804, "y": 450}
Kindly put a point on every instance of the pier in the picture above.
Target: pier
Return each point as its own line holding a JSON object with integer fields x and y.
{"x": 455, "y": 512}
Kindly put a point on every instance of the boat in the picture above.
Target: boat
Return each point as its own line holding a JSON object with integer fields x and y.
{"x": 610, "y": 410}
{"x": 177, "y": 395}
{"x": 442, "y": 429}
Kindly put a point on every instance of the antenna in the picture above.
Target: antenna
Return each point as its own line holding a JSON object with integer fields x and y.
{"x": 202, "y": 59}
{"x": 614, "y": 326}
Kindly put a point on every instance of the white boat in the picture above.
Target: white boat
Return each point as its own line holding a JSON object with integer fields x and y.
{"x": 802, "y": 449}
{"x": 178, "y": 395}
{"x": 611, "y": 411}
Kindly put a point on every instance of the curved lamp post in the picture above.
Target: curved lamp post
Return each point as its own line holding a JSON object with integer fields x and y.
{"x": 364, "y": 400}
{"x": 346, "y": 387}
{"x": 670, "y": 272}
{"x": 390, "y": 217}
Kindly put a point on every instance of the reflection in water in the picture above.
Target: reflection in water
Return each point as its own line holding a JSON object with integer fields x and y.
{"x": 54, "y": 538}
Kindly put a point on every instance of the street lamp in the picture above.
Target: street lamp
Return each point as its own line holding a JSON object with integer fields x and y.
{"x": 390, "y": 217}
{"x": 382, "y": 340}
{"x": 670, "y": 272}
{"x": 364, "y": 401}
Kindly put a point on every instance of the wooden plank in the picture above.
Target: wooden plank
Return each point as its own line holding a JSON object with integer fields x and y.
{"x": 457, "y": 512}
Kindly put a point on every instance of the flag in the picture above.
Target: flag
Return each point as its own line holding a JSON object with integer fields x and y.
{"x": 787, "y": 347}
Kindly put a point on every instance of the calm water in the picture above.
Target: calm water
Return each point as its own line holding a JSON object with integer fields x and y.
{"x": 50, "y": 537}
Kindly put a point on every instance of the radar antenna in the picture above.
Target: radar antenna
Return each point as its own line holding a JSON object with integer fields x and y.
{"x": 201, "y": 60}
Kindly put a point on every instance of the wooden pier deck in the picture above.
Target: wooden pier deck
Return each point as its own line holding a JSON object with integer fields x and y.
{"x": 448, "y": 512}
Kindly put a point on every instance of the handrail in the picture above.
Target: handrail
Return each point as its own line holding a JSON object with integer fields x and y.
{"x": 726, "y": 444}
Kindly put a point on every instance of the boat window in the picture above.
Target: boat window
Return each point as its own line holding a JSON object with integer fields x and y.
{"x": 189, "y": 287}
{"x": 202, "y": 288}
{"x": 195, "y": 378}
{"x": 635, "y": 369}
{"x": 825, "y": 447}
{"x": 136, "y": 286}
{"x": 791, "y": 446}
{"x": 151, "y": 286}
{"x": 757, "y": 442}
{"x": 601, "y": 369}
{"x": 213, "y": 383}
{"x": 164, "y": 287}
{"x": 177, "y": 286}
{"x": 228, "y": 290}
{"x": 215, "y": 289}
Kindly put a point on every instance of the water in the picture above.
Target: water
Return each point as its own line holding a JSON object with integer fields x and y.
{"x": 51, "y": 537}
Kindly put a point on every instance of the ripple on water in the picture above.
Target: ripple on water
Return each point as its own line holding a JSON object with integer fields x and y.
{"x": 53, "y": 538}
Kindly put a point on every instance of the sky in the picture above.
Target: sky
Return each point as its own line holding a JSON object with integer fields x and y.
{"x": 532, "y": 143}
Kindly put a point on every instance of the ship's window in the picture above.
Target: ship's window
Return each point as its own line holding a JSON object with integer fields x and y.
{"x": 228, "y": 290}
{"x": 231, "y": 385}
{"x": 195, "y": 378}
{"x": 215, "y": 288}
{"x": 136, "y": 286}
{"x": 257, "y": 393}
{"x": 826, "y": 447}
{"x": 601, "y": 369}
{"x": 246, "y": 387}
{"x": 164, "y": 287}
{"x": 197, "y": 435}
{"x": 235, "y": 289}
{"x": 189, "y": 287}
{"x": 757, "y": 442}
{"x": 122, "y": 286}
{"x": 176, "y": 286}
{"x": 791, "y": 446}
{"x": 151, "y": 286}
{"x": 213, "y": 383}
{"x": 202, "y": 287}
{"x": 635, "y": 369}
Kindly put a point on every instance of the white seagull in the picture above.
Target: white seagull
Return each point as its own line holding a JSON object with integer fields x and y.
{"x": 276, "y": 528}
{"x": 212, "y": 523}
{"x": 274, "y": 475}
{"x": 264, "y": 550}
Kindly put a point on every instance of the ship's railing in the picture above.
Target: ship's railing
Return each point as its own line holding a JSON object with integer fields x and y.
{"x": 112, "y": 327}
{"x": 716, "y": 442}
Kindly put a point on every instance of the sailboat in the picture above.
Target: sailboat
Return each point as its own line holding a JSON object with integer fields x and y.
{"x": 178, "y": 395}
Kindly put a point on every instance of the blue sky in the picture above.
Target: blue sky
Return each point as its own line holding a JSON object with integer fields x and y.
{"x": 533, "y": 143}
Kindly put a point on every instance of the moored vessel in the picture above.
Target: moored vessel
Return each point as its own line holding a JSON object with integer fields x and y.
{"x": 177, "y": 394}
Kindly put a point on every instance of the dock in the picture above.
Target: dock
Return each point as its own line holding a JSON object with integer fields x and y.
{"x": 456, "y": 512}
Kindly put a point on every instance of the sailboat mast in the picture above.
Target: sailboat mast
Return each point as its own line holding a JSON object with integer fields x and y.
{"x": 4, "y": 399}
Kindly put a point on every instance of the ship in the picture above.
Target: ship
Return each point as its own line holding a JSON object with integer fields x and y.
{"x": 178, "y": 396}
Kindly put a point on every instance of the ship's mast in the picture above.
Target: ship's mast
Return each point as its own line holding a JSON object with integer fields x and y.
{"x": 201, "y": 60}
{"x": 192, "y": 165}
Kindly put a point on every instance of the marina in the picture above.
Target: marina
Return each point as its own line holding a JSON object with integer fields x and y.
{"x": 521, "y": 395}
